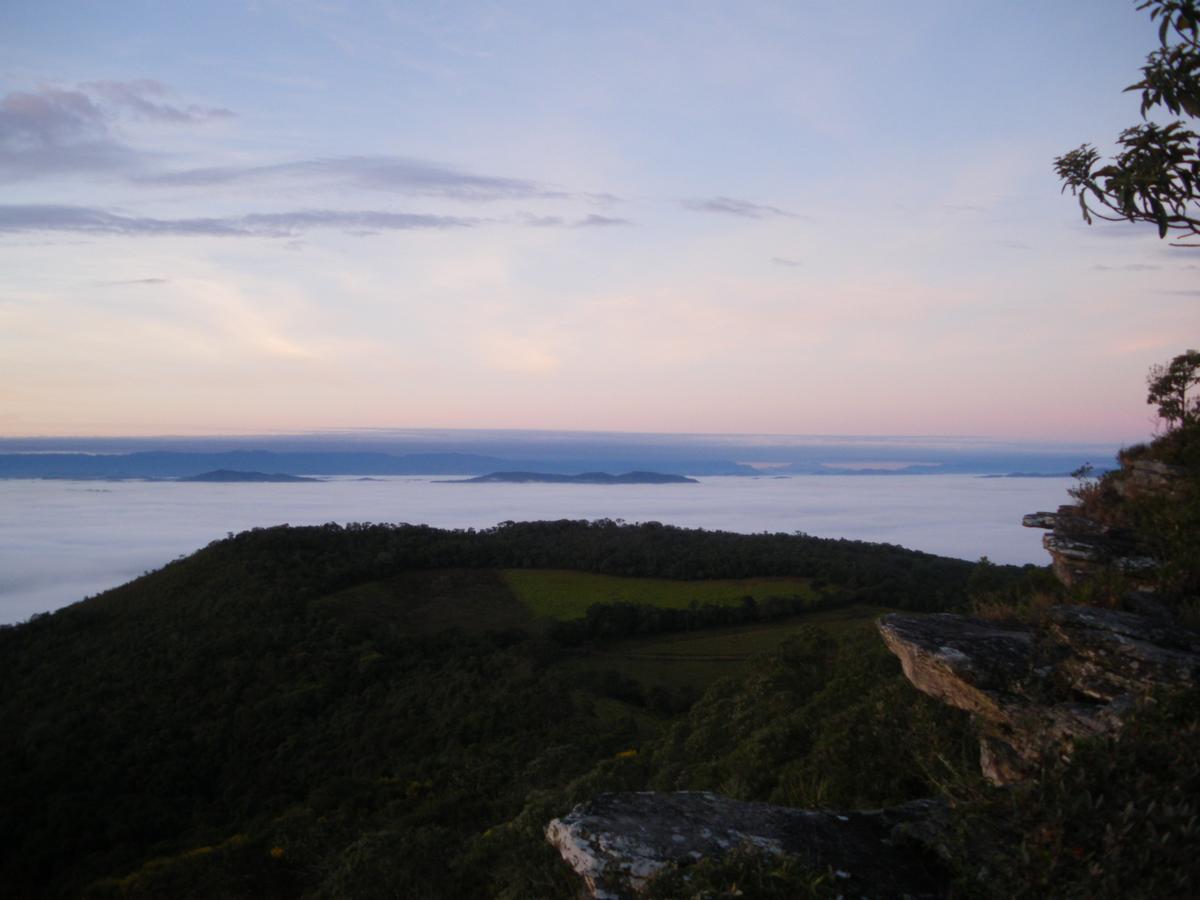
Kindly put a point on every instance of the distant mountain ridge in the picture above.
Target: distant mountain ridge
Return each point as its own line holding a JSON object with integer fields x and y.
{"x": 181, "y": 464}
{"x": 468, "y": 453}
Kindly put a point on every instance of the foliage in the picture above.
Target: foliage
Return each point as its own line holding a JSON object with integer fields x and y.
{"x": 1163, "y": 522}
{"x": 1168, "y": 388}
{"x": 1121, "y": 819}
{"x": 569, "y": 594}
{"x": 313, "y": 711}
{"x": 998, "y": 592}
{"x": 1156, "y": 175}
{"x": 804, "y": 727}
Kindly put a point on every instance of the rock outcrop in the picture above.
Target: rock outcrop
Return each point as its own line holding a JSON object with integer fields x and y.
{"x": 1035, "y": 690}
{"x": 618, "y": 841}
{"x": 1082, "y": 548}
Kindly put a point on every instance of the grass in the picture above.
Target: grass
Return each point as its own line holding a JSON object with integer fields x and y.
{"x": 565, "y": 594}
{"x": 693, "y": 660}
{"x": 483, "y": 599}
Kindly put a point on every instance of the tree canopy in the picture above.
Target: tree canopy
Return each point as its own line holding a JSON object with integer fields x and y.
{"x": 1155, "y": 175}
{"x": 1169, "y": 385}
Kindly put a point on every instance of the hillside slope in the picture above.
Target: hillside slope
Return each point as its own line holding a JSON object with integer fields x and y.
{"x": 337, "y": 711}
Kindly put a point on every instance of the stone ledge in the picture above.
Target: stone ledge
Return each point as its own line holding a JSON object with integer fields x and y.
{"x": 1035, "y": 691}
{"x": 616, "y": 842}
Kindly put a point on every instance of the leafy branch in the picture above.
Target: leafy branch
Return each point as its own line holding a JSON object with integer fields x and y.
{"x": 1156, "y": 175}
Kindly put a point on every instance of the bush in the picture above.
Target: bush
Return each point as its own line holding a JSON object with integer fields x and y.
{"x": 1121, "y": 819}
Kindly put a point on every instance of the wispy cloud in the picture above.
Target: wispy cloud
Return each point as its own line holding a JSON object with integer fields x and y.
{"x": 134, "y": 281}
{"x": 144, "y": 98}
{"x": 601, "y": 199}
{"x": 591, "y": 221}
{"x": 1129, "y": 267}
{"x": 54, "y": 130}
{"x": 784, "y": 261}
{"x": 595, "y": 221}
{"x": 88, "y": 220}
{"x": 374, "y": 173}
{"x": 734, "y": 207}
{"x": 33, "y": 218}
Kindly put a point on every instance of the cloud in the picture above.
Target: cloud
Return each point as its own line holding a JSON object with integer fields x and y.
{"x": 595, "y": 221}
{"x": 784, "y": 261}
{"x": 55, "y": 130}
{"x": 541, "y": 221}
{"x": 602, "y": 199}
{"x": 88, "y": 220}
{"x": 590, "y": 221}
{"x": 142, "y": 97}
{"x": 374, "y": 173}
{"x": 1130, "y": 267}
{"x": 733, "y": 207}
{"x": 133, "y": 281}
{"x": 48, "y": 116}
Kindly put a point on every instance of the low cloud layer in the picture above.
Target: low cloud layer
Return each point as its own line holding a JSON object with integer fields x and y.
{"x": 734, "y": 207}
{"x": 57, "y": 543}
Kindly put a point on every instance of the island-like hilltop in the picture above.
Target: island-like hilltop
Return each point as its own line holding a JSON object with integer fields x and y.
{"x": 233, "y": 476}
{"x": 584, "y": 478}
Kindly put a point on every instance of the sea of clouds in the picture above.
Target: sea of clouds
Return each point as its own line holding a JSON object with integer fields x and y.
{"x": 63, "y": 540}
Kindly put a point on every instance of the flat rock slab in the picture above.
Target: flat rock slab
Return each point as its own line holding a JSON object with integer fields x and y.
{"x": 617, "y": 841}
{"x": 962, "y": 661}
{"x": 1035, "y": 692}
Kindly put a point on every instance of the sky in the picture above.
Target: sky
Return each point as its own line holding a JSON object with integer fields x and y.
{"x": 754, "y": 217}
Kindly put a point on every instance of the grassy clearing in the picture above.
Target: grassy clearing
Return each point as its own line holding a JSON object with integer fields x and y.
{"x": 565, "y": 594}
{"x": 695, "y": 659}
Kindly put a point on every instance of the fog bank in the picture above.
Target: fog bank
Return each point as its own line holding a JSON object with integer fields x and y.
{"x": 63, "y": 540}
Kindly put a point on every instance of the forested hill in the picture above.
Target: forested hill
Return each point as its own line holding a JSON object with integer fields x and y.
{"x": 284, "y": 713}
{"x": 308, "y": 561}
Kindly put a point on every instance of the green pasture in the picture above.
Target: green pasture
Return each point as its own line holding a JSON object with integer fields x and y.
{"x": 695, "y": 659}
{"x": 566, "y": 594}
